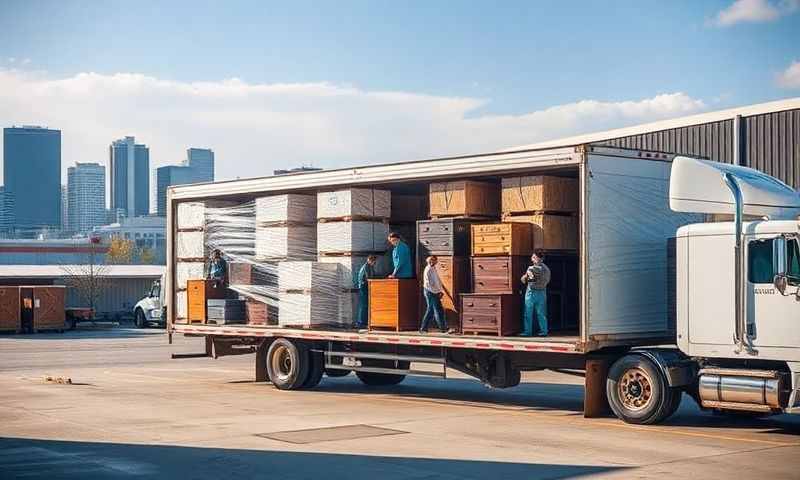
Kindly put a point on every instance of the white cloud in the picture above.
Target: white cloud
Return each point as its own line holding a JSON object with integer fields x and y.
{"x": 255, "y": 128}
{"x": 754, "y": 11}
{"x": 790, "y": 78}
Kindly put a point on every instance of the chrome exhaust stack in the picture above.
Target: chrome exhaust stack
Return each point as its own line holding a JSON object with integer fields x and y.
{"x": 734, "y": 389}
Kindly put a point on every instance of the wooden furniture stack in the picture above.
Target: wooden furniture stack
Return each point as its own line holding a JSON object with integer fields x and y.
{"x": 198, "y": 292}
{"x": 352, "y": 224}
{"x": 464, "y": 198}
{"x": 393, "y": 304}
{"x": 257, "y": 284}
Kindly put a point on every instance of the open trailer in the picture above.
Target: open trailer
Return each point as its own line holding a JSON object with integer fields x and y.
{"x": 643, "y": 296}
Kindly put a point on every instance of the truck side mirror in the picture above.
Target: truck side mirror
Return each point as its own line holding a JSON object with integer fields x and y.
{"x": 779, "y": 256}
{"x": 781, "y": 282}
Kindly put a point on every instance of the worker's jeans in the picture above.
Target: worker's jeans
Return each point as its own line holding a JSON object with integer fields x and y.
{"x": 434, "y": 310}
{"x": 362, "y": 317}
{"x": 535, "y": 306}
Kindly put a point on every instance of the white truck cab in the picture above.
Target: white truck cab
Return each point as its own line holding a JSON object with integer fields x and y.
{"x": 150, "y": 309}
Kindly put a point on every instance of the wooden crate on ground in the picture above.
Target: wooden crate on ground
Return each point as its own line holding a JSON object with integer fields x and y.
{"x": 539, "y": 193}
{"x": 10, "y": 309}
{"x": 197, "y": 293}
{"x": 393, "y": 304}
{"x": 464, "y": 198}
{"x": 502, "y": 239}
{"x": 490, "y": 314}
{"x": 550, "y": 232}
{"x": 48, "y": 308}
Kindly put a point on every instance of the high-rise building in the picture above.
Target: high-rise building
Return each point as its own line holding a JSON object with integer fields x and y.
{"x": 129, "y": 176}
{"x": 198, "y": 167}
{"x": 86, "y": 183}
{"x": 64, "y": 209}
{"x": 201, "y": 160}
{"x": 6, "y": 212}
{"x": 32, "y": 174}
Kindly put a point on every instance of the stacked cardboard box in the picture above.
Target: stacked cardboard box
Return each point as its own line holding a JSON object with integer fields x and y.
{"x": 352, "y": 224}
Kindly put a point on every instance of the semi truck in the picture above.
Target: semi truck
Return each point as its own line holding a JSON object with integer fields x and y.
{"x": 688, "y": 279}
{"x": 150, "y": 309}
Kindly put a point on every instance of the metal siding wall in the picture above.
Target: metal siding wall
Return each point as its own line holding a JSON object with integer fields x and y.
{"x": 120, "y": 296}
{"x": 772, "y": 143}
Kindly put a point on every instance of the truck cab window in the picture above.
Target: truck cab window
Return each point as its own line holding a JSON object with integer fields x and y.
{"x": 793, "y": 261}
{"x": 759, "y": 261}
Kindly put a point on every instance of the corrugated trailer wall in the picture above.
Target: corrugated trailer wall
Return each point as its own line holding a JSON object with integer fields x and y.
{"x": 119, "y": 295}
{"x": 771, "y": 143}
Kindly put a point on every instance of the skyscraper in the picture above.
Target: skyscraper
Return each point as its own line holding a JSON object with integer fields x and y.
{"x": 64, "y": 209}
{"x": 129, "y": 176}
{"x": 32, "y": 174}
{"x": 6, "y": 212}
{"x": 201, "y": 160}
{"x": 86, "y": 183}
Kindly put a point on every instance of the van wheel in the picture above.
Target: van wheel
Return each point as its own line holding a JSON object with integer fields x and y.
{"x": 141, "y": 322}
{"x": 372, "y": 379}
{"x": 316, "y": 370}
{"x": 638, "y": 392}
{"x": 287, "y": 364}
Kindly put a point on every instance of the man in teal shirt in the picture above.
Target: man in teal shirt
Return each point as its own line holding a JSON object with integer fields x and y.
{"x": 401, "y": 257}
{"x": 362, "y": 283}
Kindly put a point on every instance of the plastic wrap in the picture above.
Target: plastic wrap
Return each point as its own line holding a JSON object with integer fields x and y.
{"x": 347, "y": 237}
{"x": 188, "y": 271}
{"x": 307, "y": 276}
{"x": 190, "y": 245}
{"x": 298, "y": 242}
{"x": 350, "y": 265}
{"x": 290, "y": 208}
{"x": 354, "y": 202}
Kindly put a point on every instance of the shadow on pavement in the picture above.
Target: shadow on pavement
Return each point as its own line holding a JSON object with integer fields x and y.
{"x": 25, "y": 458}
{"x": 89, "y": 333}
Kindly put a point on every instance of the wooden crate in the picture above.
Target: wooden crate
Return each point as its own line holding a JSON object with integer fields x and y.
{"x": 490, "y": 314}
{"x": 464, "y": 198}
{"x": 10, "y": 306}
{"x": 409, "y": 208}
{"x": 550, "y": 232}
{"x": 393, "y": 304}
{"x": 197, "y": 292}
{"x": 48, "y": 308}
{"x": 256, "y": 313}
{"x": 539, "y": 193}
{"x": 454, "y": 274}
{"x": 448, "y": 237}
{"x": 502, "y": 239}
{"x": 498, "y": 274}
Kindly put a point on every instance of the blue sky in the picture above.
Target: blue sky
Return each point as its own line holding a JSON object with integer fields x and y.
{"x": 503, "y": 62}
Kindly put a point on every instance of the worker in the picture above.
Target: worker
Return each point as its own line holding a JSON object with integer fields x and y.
{"x": 366, "y": 272}
{"x": 536, "y": 277}
{"x": 433, "y": 290}
{"x": 217, "y": 267}
{"x": 401, "y": 257}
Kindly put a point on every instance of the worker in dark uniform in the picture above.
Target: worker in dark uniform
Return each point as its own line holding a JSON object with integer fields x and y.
{"x": 217, "y": 267}
{"x": 536, "y": 278}
{"x": 366, "y": 272}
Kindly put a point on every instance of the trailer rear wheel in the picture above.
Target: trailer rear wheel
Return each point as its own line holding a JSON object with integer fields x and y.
{"x": 638, "y": 392}
{"x": 373, "y": 379}
{"x": 288, "y": 364}
{"x": 316, "y": 370}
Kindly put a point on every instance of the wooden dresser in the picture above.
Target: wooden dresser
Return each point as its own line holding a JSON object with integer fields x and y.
{"x": 490, "y": 314}
{"x": 502, "y": 239}
{"x": 498, "y": 274}
{"x": 448, "y": 237}
{"x": 393, "y": 304}
{"x": 198, "y": 291}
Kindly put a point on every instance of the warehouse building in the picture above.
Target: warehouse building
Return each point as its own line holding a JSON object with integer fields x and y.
{"x": 765, "y": 136}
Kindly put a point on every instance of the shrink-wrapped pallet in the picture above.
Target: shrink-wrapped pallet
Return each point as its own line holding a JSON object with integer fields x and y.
{"x": 308, "y": 276}
{"x": 320, "y": 308}
{"x": 188, "y": 271}
{"x": 191, "y": 215}
{"x": 294, "y": 242}
{"x": 349, "y": 267}
{"x": 348, "y": 307}
{"x": 190, "y": 245}
{"x": 181, "y": 305}
{"x": 539, "y": 193}
{"x": 354, "y": 202}
{"x": 346, "y": 237}
{"x": 290, "y": 208}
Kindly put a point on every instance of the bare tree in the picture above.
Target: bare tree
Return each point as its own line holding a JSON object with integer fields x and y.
{"x": 89, "y": 280}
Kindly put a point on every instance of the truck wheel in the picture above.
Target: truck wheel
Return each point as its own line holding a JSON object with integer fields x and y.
{"x": 638, "y": 392}
{"x": 316, "y": 369}
{"x": 287, "y": 364}
{"x": 141, "y": 322}
{"x": 335, "y": 372}
{"x": 372, "y": 379}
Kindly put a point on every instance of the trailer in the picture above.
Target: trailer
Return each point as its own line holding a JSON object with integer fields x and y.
{"x": 637, "y": 314}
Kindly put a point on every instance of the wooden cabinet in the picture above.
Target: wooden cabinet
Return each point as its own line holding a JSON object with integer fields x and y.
{"x": 490, "y": 314}
{"x": 448, "y": 237}
{"x": 501, "y": 239}
{"x": 48, "y": 308}
{"x": 498, "y": 274}
{"x": 10, "y": 308}
{"x": 197, "y": 293}
{"x": 393, "y": 304}
{"x": 454, "y": 274}
{"x": 464, "y": 198}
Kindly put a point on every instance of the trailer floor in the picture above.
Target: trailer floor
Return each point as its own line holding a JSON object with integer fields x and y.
{"x": 133, "y": 413}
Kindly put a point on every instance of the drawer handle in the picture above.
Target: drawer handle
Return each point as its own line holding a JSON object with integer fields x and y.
{"x": 470, "y": 304}
{"x": 480, "y": 266}
{"x": 492, "y": 304}
{"x": 480, "y": 283}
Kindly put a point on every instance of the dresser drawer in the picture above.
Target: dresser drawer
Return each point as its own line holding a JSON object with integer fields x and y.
{"x": 443, "y": 237}
{"x": 501, "y": 239}
{"x": 436, "y": 244}
{"x": 497, "y": 274}
{"x": 478, "y": 321}
{"x": 492, "y": 228}
{"x": 490, "y": 314}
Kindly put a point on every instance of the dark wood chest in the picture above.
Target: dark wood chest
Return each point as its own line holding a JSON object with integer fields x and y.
{"x": 490, "y": 314}
{"x": 448, "y": 237}
{"x": 498, "y": 274}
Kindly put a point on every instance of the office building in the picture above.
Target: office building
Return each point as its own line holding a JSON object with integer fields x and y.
{"x": 198, "y": 167}
{"x": 201, "y": 160}
{"x": 6, "y": 213}
{"x": 32, "y": 174}
{"x": 146, "y": 232}
{"x": 86, "y": 197}
{"x": 129, "y": 177}
{"x": 64, "y": 209}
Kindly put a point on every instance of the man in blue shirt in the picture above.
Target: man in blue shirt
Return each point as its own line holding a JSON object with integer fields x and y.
{"x": 401, "y": 258}
{"x": 217, "y": 267}
{"x": 366, "y": 272}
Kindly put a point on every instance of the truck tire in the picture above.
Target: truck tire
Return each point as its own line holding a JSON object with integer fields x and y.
{"x": 372, "y": 379}
{"x": 638, "y": 392}
{"x": 141, "y": 321}
{"x": 287, "y": 364}
{"x": 316, "y": 370}
{"x": 335, "y": 372}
